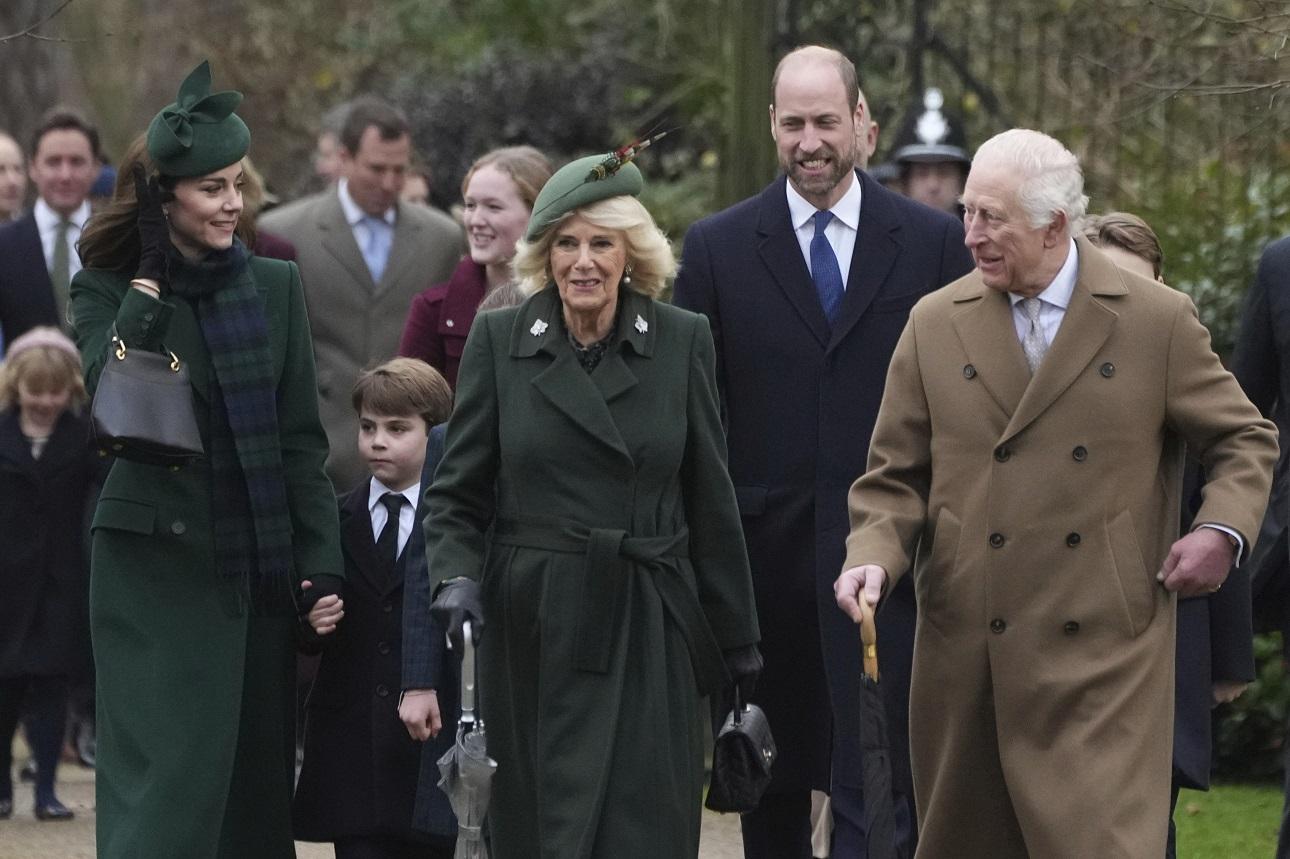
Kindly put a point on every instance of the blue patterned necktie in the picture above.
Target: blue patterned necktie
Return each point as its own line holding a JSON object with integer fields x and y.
{"x": 376, "y": 250}
{"x": 824, "y": 268}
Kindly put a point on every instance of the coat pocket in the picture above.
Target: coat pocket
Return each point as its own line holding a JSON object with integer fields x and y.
{"x": 122, "y": 514}
{"x": 1136, "y": 584}
{"x": 934, "y": 573}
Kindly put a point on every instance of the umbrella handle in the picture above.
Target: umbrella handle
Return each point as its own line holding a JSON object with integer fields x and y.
{"x": 868, "y": 639}
{"x": 467, "y": 675}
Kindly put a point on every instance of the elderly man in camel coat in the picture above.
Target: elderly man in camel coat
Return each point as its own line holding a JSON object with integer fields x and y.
{"x": 1027, "y": 462}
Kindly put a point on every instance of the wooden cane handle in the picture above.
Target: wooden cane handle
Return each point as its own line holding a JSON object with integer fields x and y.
{"x": 868, "y": 638}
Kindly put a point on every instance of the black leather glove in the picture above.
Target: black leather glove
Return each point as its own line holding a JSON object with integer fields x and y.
{"x": 744, "y": 664}
{"x": 154, "y": 231}
{"x": 456, "y": 602}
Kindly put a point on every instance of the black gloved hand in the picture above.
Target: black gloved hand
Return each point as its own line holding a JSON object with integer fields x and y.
{"x": 154, "y": 231}
{"x": 456, "y": 602}
{"x": 744, "y": 664}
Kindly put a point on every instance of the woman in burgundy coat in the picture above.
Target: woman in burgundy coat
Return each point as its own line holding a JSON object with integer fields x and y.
{"x": 498, "y": 192}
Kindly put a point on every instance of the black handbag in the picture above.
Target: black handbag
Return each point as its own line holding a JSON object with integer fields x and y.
{"x": 143, "y": 409}
{"x": 741, "y": 760}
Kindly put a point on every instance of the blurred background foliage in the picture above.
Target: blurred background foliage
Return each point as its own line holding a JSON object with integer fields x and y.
{"x": 1177, "y": 108}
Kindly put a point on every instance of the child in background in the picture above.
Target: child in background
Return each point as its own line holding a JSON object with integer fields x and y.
{"x": 46, "y": 473}
{"x": 359, "y": 781}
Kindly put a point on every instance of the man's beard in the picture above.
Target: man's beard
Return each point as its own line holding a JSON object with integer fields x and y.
{"x": 840, "y": 164}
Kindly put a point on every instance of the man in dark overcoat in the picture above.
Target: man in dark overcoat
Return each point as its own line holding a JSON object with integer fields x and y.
{"x": 1262, "y": 366}
{"x": 804, "y": 328}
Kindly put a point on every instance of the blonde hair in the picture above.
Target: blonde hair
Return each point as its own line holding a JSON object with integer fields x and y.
{"x": 404, "y": 386}
{"x": 649, "y": 254}
{"x": 42, "y": 367}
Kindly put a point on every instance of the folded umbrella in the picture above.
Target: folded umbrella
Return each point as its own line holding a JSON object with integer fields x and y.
{"x": 466, "y": 769}
{"x": 875, "y": 755}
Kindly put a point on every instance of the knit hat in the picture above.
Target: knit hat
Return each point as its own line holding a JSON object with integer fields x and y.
{"x": 199, "y": 133}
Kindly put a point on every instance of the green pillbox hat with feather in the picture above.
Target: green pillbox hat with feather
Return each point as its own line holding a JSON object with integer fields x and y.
{"x": 199, "y": 133}
{"x": 579, "y": 183}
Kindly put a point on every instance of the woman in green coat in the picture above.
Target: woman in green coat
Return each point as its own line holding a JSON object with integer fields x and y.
{"x": 583, "y": 513}
{"x": 196, "y": 573}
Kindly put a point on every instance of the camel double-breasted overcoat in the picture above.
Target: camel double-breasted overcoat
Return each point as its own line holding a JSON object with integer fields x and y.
{"x": 1041, "y": 509}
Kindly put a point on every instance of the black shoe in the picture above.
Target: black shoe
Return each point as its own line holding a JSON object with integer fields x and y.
{"x": 53, "y": 810}
{"x": 6, "y": 809}
{"x": 28, "y": 771}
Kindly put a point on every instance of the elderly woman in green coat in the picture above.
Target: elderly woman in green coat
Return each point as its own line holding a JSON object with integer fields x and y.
{"x": 198, "y": 574}
{"x": 584, "y": 514}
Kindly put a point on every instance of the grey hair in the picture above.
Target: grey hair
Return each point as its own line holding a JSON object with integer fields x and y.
{"x": 648, "y": 251}
{"x": 1051, "y": 178}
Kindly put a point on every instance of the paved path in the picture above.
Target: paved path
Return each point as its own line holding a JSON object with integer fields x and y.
{"x": 23, "y": 837}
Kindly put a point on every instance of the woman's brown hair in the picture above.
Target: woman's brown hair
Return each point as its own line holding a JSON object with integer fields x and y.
{"x": 111, "y": 238}
{"x": 528, "y": 168}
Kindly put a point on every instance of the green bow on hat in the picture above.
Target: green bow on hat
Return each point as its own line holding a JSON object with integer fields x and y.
{"x": 198, "y": 133}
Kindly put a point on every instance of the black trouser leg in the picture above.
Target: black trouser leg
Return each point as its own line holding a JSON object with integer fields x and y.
{"x": 780, "y": 828}
{"x": 46, "y": 726}
{"x": 1171, "y": 846}
{"x": 12, "y": 692}
{"x": 379, "y": 847}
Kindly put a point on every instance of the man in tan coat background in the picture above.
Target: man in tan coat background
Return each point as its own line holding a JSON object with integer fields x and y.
{"x": 1027, "y": 461}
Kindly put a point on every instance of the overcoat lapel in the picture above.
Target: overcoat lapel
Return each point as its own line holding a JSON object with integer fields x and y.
{"x": 983, "y": 321}
{"x": 582, "y": 398}
{"x": 338, "y": 240}
{"x": 357, "y": 540}
{"x": 1085, "y": 328}
{"x": 876, "y": 248}
{"x": 782, "y": 255}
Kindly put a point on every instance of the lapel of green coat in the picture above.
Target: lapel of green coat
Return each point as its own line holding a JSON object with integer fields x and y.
{"x": 583, "y": 398}
{"x": 1085, "y": 327}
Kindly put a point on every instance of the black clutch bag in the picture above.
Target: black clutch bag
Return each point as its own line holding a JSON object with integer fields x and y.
{"x": 742, "y": 756}
{"x": 143, "y": 409}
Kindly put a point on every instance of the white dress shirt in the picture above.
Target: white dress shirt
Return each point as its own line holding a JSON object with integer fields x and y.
{"x": 47, "y": 221}
{"x": 407, "y": 513}
{"x": 841, "y": 230}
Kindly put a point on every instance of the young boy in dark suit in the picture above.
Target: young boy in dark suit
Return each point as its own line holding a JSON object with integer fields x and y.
{"x": 359, "y": 781}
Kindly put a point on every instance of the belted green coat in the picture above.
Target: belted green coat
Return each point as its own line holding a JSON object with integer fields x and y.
{"x": 196, "y": 700}
{"x": 599, "y": 515}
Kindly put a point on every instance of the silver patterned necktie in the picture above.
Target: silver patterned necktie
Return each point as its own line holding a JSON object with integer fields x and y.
{"x": 1033, "y": 344}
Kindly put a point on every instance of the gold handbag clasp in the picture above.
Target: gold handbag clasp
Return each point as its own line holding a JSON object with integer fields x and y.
{"x": 120, "y": 348}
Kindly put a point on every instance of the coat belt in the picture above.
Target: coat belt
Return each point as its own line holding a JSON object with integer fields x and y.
{"x": 611, "y": 556}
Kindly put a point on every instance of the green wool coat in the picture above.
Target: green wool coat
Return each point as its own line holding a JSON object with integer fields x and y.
{"x": 195, "y": 699}
{"x": 597, "y": 510}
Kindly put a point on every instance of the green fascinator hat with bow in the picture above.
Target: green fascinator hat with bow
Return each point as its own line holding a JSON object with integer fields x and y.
{"x": 199, "y": 133}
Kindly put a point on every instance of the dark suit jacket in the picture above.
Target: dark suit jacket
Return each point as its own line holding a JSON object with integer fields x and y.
{"x": 361, "y": 768}
{"x": 26, "y": 294}
{"x": 1262, "y": 366}
{"x": 1214, "y": 645}
{"x": 800, "y": 402}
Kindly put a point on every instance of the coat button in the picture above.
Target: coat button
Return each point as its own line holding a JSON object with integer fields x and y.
{"x": 1071, "y": 627}
{"x": 969, "y": 372}
{"x": 383, "y": 648}
{"x": 996, "y": 540}
{"x": 382, "y": 691}
{"x": 1080, "y": 453}
{"x": 148, "y": 316}
{"x": 997, "y": 625}
{"x": 1002, "y": 453}
{"x": 387, "y": 607}
{"x": 448, "y": 322}
{"x": 178, "y": 528}
{"x": 1107, "y": 369}
{"x": 1072, "y": 539}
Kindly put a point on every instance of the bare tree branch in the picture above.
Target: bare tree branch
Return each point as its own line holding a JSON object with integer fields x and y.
{"x": 30, "y": 32}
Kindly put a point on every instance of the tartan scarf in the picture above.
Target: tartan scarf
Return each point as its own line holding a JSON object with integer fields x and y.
{"x": 250, "y": 517}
